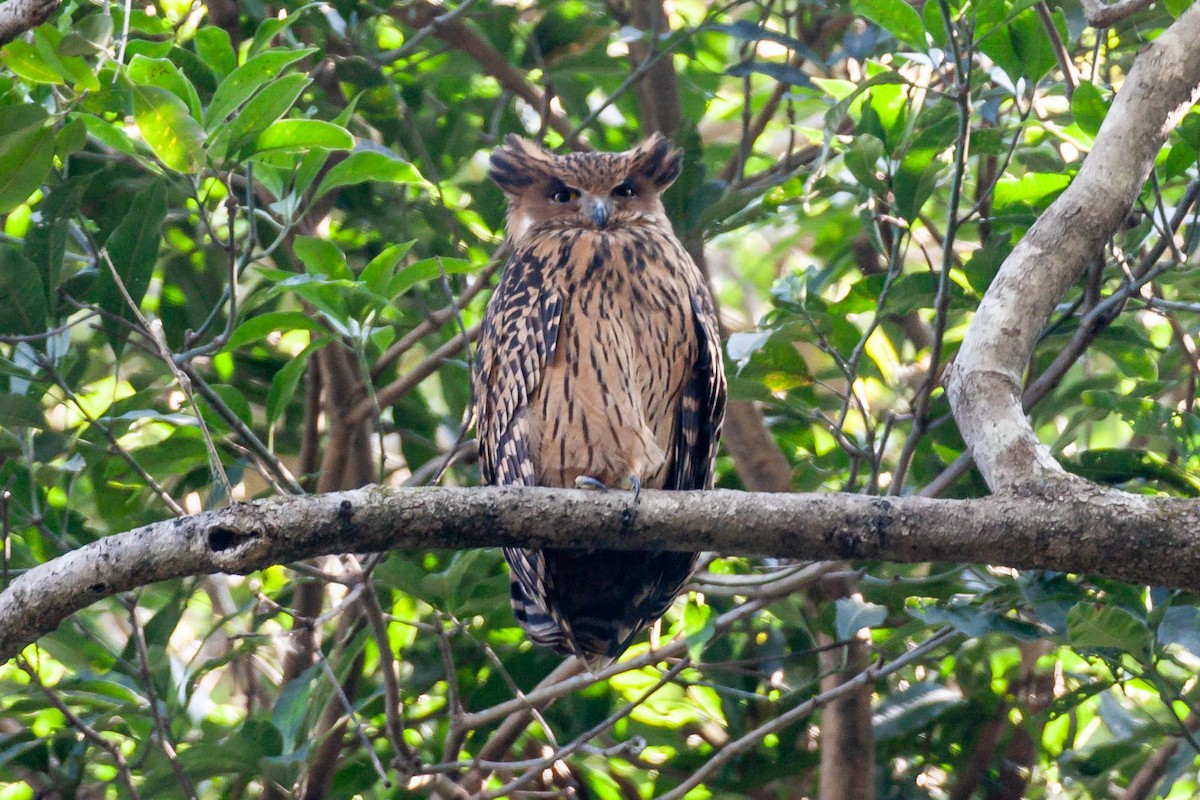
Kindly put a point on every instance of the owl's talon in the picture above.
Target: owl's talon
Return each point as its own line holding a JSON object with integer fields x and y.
{"x": 588, "y": 482}
{"x": 635, "y": 484}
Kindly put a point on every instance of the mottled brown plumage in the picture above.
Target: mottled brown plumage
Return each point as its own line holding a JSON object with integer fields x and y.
{"x": 599, "y": 360}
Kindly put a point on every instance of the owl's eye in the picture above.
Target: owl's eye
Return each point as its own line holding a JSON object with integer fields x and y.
{"x": 624, "y": 190}
{"x": 563, "y": 196}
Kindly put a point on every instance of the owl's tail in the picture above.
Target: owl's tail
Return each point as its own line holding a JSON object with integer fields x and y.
{"x": 592, "y": 604}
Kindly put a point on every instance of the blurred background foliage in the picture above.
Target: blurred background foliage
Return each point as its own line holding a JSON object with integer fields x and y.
{"x": 244, "y": 248}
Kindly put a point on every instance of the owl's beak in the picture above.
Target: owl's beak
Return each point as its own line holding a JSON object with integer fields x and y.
{"x": 599, "y": 209}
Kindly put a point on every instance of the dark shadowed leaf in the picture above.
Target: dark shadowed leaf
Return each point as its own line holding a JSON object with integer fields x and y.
{"x": 784, "y": 73}
{"x": 22, "y": 295}
{"x": 133, "y": 250}
{"x": 26, "y": 153}
{"x": 19, "y": 411}
{"x": 1095, "y": 627}
{"x": 913, "y": 709}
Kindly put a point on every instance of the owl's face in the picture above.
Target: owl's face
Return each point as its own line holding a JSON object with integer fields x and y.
{"x": 591, "y": 191}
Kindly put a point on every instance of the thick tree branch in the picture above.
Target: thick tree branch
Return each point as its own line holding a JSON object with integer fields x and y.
{"x": 984, "y": 384}
{"x": 18, "y": 16}
{"x": 1134, "y": 538}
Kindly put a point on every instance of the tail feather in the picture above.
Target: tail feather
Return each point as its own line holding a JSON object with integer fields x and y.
{"x": 592, "y": 604}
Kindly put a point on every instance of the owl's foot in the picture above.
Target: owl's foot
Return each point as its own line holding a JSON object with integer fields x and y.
{"x": 588, "y": 482}
{"x": 632, "y": 483}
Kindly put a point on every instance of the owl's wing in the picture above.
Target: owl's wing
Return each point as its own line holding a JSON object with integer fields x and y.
{"x": 520, "y": 331}
{"x": 701, "y": 406}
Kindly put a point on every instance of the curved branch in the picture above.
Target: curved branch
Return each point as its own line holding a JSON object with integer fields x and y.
{"x": 984, "y": 384}
{"x": 1140, "y": 539}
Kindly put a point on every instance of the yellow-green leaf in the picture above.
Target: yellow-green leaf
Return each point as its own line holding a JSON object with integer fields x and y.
{"x": 299, "y": 134}
{"x": 166, "y": 125}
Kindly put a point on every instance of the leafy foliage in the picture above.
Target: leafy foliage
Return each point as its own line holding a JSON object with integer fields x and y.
{"x": 212, "y": 222}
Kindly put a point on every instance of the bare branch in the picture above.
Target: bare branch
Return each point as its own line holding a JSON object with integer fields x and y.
{"x": 984, "y": 384}
{"x": 1140, "y": 539}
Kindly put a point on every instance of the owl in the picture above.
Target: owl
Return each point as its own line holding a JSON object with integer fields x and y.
{"x": 599, "y": 365}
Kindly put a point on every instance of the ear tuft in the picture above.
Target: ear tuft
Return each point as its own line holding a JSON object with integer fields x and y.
{"x": 509, "y": 166}
{"x": 657, "y": 161}
{"x": 517, "y": 163}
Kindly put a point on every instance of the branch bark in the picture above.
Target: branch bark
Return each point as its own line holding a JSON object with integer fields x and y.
{"x": 18, "y": 16}
{"x": 984, "y": 384}
{"x": 1139, "y": 539}
{"x": 1100, "y": 15}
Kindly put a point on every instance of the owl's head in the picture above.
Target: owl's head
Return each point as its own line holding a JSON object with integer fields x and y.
{"x": 598, "y": 191}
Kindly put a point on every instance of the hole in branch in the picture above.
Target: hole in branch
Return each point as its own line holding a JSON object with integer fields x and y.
{"x": 221, "y": 538}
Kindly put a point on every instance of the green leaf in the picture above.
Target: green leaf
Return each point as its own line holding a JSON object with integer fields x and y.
{"x": 784, "y": 73}
{"x": 26, "y": 62}
{"x": 853, "y": 615}
{"x": 271, "y": 27}
{"x": 974, "y": 620}
{"x": 1180, "y": 626}
{"x": 299, "y": 134}
{"x": 162, "y": 73}
{"x": 1035, "y": 189}
{"x": 133, "y": 250}
{"x": 26, "y": 153}
{"x": 283, "y": 385}
{"x": 322, "y": 257}
{"x": 698, "y": 628}
{"x": 168, "y": 127}
{"x": 747, "y": 31}
{"x": 310, "y": 167}
{"x": 896, "y": 17}
{"x": 113, "y": 136}
{"x": 71, "y": 139}
{"x": 22, "y": 295}
{"x": 255, "y": 328}
{"x": 19, "y": 411}
{"x": 89, "y": 36}
{"x": 913, "y": 709}
{"x": 862, "y": 159}
{"x": 247, "y": 79}
{"x": 1092, "y": 626}
{"x": 368, "y": 165}
{"x": 382, "y": 268}
{"x": 263, "y": 109}
{"x": 45, "y": 246}
{"x": 292, "y": 707}
{"x": 215, "y": 48}
{"x": 1088, "y": 107}
{"x": 47, "y": 41}
{"x": 426, "y": 270}
{"x": 1030, "y": 44}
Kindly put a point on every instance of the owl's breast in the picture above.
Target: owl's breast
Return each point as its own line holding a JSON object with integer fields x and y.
{"x": 608, "y": 403}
